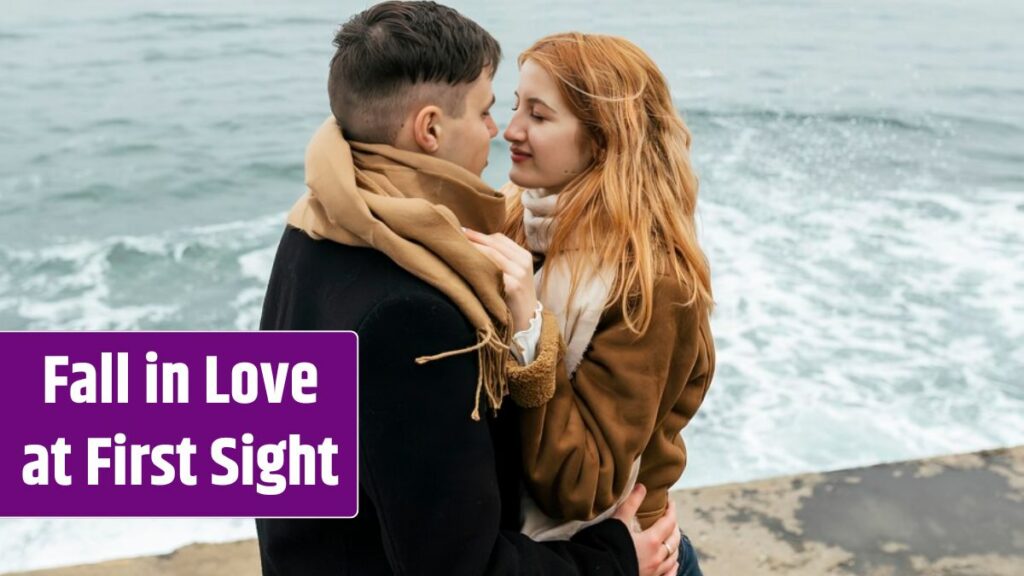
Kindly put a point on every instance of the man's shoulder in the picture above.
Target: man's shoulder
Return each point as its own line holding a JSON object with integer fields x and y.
{"x": 361, "y": 285}
{"x": 414, "y": 308}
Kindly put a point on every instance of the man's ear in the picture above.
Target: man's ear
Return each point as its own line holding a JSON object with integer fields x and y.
{"x": 426, "y": 128}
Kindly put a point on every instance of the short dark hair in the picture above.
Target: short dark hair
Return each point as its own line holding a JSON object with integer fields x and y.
{"x": 397, "y": 54}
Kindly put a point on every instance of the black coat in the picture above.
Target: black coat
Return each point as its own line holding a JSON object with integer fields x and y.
{"x": 438, "y": 492}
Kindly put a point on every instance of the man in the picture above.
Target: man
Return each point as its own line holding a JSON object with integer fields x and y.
{"x": 375, "y": 246}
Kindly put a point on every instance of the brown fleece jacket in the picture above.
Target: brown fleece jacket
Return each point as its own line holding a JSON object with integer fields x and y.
{"x": 630, "y": 397}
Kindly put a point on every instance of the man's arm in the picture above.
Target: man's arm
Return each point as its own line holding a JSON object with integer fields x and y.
{"x": 429, "y": 468}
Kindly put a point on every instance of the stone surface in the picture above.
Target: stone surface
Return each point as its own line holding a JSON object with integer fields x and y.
{"x": 948, "y": 516}
{"x": 228, "y": 559}
{"x": 952, "y": 515}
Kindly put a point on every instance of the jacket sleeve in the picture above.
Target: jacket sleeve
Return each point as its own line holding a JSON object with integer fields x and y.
{"x": 579, "y": 447}
{"x": 429, "y": 469}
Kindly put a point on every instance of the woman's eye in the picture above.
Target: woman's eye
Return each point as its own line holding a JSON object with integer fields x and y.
{"x": 533, "y": 114}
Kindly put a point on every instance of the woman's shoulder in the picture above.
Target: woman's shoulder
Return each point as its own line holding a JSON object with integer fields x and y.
{"x": 670, "y": 292}
{"x": 673, "y": 309}
{"x": 679, "y": 316}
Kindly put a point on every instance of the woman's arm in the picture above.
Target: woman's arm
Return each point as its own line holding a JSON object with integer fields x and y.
{"x": 580, "y": 446}
{"x": 582, "y": 436}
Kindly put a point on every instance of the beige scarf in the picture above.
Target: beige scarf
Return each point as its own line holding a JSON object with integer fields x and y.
{"x": 577, "y": 319}
{"x": 411, "y": 207}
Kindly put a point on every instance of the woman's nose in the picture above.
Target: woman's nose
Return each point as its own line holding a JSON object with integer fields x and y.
{"x": 513, "y": 133}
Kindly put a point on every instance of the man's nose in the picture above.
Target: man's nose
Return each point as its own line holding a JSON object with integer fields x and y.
{"x": 492, "y": 127}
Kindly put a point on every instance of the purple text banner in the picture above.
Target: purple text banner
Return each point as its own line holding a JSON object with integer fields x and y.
{"x": 165, "y": 424}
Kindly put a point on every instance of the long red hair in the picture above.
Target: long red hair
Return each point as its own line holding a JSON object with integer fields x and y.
{"x": 634, "y": 206}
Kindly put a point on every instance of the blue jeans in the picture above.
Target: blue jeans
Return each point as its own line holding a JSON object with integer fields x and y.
{"x": 688, "y": 564}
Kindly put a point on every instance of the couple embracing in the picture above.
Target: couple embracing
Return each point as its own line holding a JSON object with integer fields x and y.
{"x": 528, "y": 356}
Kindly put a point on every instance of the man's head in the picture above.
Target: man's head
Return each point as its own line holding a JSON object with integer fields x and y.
{"x": 416, "y": 75}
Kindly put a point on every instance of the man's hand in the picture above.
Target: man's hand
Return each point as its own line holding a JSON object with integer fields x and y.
{"x": 516, "y": 265}
{"x": 657, "y": 548}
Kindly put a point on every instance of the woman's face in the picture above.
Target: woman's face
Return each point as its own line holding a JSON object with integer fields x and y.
{"x": 548, "y": 147}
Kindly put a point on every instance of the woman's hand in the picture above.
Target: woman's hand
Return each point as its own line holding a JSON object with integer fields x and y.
{"x": 516, "y": 265}
{"x": 657, "y": 548}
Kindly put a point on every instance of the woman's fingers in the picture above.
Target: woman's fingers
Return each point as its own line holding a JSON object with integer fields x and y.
{"x": 505, "y": 246}
{"x": 517, "y": 274}
{"x": 491, "y": 240}
{"x": 510, "y": 248}
{"x": 674, "y": 539}
{"x": 670, "y": 567}
{"x": 664, "y": 527}
{"x": 631, "y": 504}
{"x": 654, "y": 546}
{"x": 498, "y": 258}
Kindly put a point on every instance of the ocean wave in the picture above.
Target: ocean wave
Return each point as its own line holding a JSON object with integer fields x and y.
{"x": 112, "y": 122}
{"x": 189, "y": 21}
{"x": 929, "y": 124}
{"x": 290, "y": 171}
{"x": 932, "y": 124}
{"x": 142, "y": 282}
{"x": 129, "y": 149}
{"x": 248, "y": 51}
{"x": 298, "y": 21}
{"x": 164, "y": 17}
{"x": 158, "y": 56}
{"x": 6, "y": 35}
{"x": 172, "y": 17}
{"x": 94, "y": 192}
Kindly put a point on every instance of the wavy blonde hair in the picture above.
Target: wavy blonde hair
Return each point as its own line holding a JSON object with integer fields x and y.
{"x": 634, "y": 206}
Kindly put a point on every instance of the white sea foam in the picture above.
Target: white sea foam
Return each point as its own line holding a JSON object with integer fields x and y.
{"x": 875, "y": 340}
{"x": 257, "y": 264}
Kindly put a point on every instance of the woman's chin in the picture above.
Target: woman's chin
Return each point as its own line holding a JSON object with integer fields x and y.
{"x": 522, "y": 180}
{"x": 517, "y": 179}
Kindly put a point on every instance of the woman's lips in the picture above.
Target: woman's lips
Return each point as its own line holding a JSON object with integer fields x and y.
{"x": 518, "y": 156}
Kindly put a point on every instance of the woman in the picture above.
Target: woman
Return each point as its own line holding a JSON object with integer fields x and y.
{"x": 602, "y": 204}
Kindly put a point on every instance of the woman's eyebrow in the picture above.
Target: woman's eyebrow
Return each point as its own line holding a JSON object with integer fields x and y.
{"x": 535, "y": 100}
